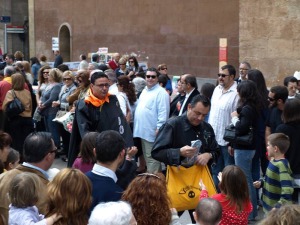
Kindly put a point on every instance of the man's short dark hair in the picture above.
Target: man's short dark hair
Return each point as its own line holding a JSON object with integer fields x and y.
{"x": 289, "y": 79}
{"x": 280, "y": 92}
{"x": 162, "y": 79}
{"x": 230, "y": 69}
{"x": 190, "y": 79}
{"x": 95, "y": 57}
{"x": 209, "y": 211}
{"x": 152, "y": 69}
{"x": 63, "y": 67}
{"x": 200, "y": 98}
{"x": 109, "y": 144}
{"x": 11, "y": 56}
{"x": 97, "y": 75}
{"x": 36, "y": 146}
{"x": 83, "y": 57}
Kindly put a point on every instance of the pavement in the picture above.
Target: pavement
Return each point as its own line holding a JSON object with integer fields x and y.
{"x": 184, "y": 219}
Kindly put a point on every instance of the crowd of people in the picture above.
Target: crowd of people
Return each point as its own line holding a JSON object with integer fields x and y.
{"x": 121, "y": 129}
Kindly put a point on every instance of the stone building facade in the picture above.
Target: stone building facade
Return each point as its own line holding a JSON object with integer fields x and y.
{"x": 183, "y": 34}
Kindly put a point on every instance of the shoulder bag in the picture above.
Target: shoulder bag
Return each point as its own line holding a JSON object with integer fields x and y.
{"x": 15, "y": 107}
{"x": 230, "y": 136}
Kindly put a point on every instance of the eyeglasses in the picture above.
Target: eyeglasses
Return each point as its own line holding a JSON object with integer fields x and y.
{"x": 131, "y": 61}
{"x": 151, "y": 76}
{"x": 164, "y": 68}
{"x": 46, "y": 72}
{"x": 271, "y": 99}
{"x": 222, "y": 75}
{"x": 243, "y": 69}
{"x": 102, "y": 85}
{"x": 122, "y": 64}
{"x": 54, "y": 150}
{"x": 65, "y": 79}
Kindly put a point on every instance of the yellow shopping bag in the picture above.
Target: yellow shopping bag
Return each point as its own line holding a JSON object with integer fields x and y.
{"x": 183, "y": 185}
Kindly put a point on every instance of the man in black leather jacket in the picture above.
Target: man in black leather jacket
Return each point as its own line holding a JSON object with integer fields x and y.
{"x": 173, "y": 141}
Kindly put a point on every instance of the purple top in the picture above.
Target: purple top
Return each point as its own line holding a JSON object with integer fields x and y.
{"x": 83, "y": 167}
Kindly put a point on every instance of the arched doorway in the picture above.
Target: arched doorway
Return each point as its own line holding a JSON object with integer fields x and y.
{"x": 65, "y": 42}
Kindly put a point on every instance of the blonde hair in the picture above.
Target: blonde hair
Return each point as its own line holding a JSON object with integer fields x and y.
{"x": 68, "y": 73}
{"x": 70, "y": 194}
{"x": 56, "y": 74}
{"x": 285, "y": 215}
{"x": 24, "y": 190}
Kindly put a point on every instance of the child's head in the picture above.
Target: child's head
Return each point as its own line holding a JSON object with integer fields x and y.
{"x": 88, "y": 143}
{"x": 234, "y": 186}
{"x": 208, "y": 212}
{"x": 287, "y": 214}
{"x": 279, "y": 141}
{"x": 13, "y": 159}
{"x": 70, "y": 194}
{"x": 24, "y": 189}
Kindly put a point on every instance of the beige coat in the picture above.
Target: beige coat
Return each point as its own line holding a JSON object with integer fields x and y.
{"x": 24, "y": 96}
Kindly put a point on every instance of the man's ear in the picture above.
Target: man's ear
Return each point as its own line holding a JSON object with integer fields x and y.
{"x": 94, "y": 152}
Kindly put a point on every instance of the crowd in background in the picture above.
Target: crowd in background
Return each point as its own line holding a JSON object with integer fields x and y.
{"x": 121, "y": 128}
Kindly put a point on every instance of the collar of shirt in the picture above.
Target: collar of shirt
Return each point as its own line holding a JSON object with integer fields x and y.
{"x": 188, "y": 94}
{"x": 36, "y": 168}
{"x": 104, "y": 171}
{"x": 232, "y": 87}
{"x": 155, "y": 86}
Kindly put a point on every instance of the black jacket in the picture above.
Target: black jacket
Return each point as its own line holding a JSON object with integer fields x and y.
{"x": 247, "y": 118}
{"x": 192, "y": 95}
{"x": 89, "y": 118}
{"x": 178, "y": 132}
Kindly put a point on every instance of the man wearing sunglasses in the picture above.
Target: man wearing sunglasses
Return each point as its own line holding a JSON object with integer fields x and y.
{"x": 151, "y": 113}
{"x": 223, "y": 103}
{"x": 277, "y": 97}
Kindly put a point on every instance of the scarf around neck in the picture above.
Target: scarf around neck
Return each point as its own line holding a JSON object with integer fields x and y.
{"x": 92, "y": 99}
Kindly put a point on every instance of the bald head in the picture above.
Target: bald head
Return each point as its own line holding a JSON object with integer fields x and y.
{"x": 188, "y": 82}
{"x": 208, "y": 212}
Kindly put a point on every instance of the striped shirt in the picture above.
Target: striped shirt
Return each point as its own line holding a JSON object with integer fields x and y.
{"x": 277, "y": 186}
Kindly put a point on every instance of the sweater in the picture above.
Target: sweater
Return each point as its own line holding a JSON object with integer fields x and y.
{"x": 104, "y": 189}
{"x": 277, "y": 185}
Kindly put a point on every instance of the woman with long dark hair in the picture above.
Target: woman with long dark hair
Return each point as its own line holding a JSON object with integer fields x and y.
{"x": 244, "y": 119}
{"x": 260, "y": 160}
{"x": 126, "y": 97}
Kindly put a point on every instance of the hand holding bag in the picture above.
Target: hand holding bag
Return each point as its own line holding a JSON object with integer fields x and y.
{"x": 183, "y": 185}
{"x": 15, "y": 107}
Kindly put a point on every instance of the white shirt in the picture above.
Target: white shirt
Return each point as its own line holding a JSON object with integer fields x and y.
{"x": 222, "y": 105}
{"x": 104, "y": 171}
{"x": 187, "y": 95}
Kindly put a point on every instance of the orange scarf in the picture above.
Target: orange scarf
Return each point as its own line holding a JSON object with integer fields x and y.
{"x": 92, "y": 99}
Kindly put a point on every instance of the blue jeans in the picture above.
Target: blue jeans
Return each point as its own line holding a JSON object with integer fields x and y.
{"x": 224, "y": 160}
{"x": 243, "y": 159}
{"x": 53, "y": 128}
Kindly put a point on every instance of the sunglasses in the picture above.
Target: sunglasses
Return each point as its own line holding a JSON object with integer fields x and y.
{"x": 131, "y": 61}
{"x": 64, "y": 79}
{"x": 45, "y": 72}
{"x": 222, "y": 75}
{"x": 151, "y": 76}
{"x": 164, "y": 68}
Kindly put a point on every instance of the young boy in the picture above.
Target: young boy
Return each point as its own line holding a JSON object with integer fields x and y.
{"x": 277, "y": 185}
